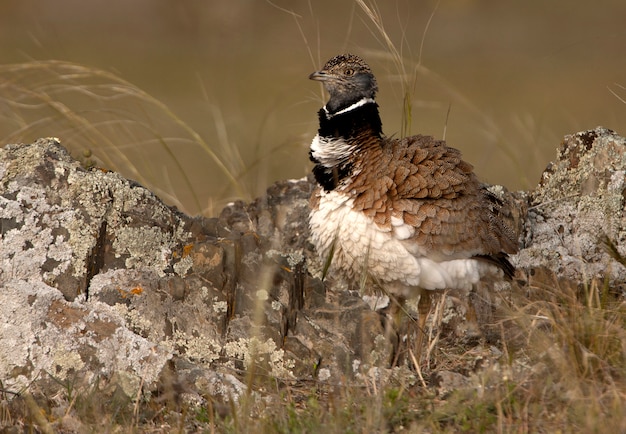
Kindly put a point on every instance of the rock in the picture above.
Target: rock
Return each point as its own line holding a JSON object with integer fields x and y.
{"x": 101, "y": 281}
{"x": 63, "y": 225}
{"x": 64, "y": 342}
{"x": 576, "y": 207}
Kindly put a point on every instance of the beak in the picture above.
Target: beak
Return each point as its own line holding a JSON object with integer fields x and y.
{"x": 319, "y": 76}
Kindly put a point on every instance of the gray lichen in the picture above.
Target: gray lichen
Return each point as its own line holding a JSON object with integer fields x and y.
{"x": 579, "y": 201}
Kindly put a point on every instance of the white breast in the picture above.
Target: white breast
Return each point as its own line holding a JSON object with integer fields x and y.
{"x": 330, "y": 151}
{"x": 387, "y": 255}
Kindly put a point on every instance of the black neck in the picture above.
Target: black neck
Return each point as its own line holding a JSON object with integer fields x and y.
{"x": 352, "y": 123}
{"x": 357, "y": 123}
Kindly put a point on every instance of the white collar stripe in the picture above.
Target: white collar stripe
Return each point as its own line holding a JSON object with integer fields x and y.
{"x": 357, "y": 104}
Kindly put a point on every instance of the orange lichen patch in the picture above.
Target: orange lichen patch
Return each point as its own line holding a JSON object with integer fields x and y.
{"x": 137, "y": 290}
{"x": 187, "y": 250}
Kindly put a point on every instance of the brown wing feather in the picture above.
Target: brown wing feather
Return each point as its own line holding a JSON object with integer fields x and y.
{"x": 429, "y": 186}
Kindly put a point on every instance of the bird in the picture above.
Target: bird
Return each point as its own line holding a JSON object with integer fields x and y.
{"x": 408, "y": 214}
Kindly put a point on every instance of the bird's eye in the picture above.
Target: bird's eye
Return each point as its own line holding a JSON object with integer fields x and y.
{"x": 349, "y": 71}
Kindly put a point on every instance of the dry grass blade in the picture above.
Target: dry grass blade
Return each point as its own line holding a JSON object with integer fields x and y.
{"x": 614, "y": 93}
{"x": 95, "y": 110}
{"x": 611, "y": 249}
{"x": 38, "y": 415}
{"x": 328, "y": 260}
{"x": 374, "y": 15}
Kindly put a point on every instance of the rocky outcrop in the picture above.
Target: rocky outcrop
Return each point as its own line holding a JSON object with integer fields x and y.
{"x": 577, "y": 209}
{"x": 101, "y": 280}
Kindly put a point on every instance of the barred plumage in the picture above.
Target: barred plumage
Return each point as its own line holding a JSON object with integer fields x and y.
{"x": 409, "y": 212}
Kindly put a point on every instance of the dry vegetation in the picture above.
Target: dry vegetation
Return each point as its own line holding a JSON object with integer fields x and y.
{"x": 98, "y": 113}
{"x": 559, "y": 365}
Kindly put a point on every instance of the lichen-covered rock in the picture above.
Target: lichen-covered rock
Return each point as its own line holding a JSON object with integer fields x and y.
{"x": 577, "y": 205}
{"x": 48, "y": 338}
{"x": 101, "y": 281}
{"x": 62, "y": 224}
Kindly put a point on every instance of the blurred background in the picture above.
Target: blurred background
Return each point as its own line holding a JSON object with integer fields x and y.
{"x": 205, "y": 102}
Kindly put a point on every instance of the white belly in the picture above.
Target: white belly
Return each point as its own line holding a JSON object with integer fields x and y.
{"x": 361, "y": 246}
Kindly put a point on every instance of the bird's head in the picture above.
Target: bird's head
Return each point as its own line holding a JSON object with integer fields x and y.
{"x": 348, "y": 79}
